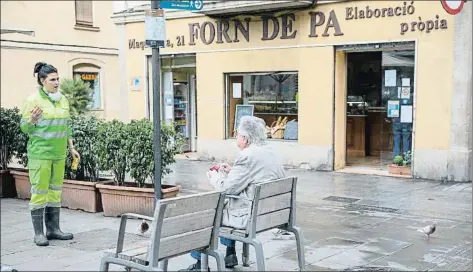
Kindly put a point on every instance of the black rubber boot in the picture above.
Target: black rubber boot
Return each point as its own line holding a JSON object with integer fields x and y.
{"x": 53, "y": 232}
{"x": 37, "y": 218}
{"x": 231, "y": 259}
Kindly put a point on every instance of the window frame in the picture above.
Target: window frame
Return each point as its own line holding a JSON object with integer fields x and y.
{"x": 81, "y": 23}
{"x": 100, "y": 85}
{"x": 227, "y": 96}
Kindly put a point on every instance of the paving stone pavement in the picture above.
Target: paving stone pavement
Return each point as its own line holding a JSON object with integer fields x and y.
{"x": 350, "y": 222}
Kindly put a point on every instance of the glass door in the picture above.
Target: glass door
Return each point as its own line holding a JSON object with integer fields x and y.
{"x": 397, "y": 98}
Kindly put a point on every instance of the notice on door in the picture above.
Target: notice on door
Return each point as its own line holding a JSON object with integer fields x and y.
{"x": 406, "y": 93}
{"x": 393, "y": 109}
{"x": 390, "y": 78}
{"x": 236, "y": 90}
{"x": 406, "y": 114}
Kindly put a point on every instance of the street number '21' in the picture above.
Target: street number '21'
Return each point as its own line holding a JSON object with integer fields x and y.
{"x": 180, "y": 42}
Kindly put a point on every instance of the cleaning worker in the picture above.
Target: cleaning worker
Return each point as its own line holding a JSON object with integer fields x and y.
{"x": 45, "y": 118}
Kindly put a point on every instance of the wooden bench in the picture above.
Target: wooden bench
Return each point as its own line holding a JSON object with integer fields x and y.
{"x": 179, "y": 226}
{"x": 274, "y": 206}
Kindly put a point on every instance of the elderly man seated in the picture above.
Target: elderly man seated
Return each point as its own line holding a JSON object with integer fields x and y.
{"x": 256, "y": 162}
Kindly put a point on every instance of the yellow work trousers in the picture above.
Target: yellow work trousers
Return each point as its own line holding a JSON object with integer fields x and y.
{"x": 46, "y": 178}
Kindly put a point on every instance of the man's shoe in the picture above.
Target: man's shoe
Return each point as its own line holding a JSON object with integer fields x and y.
{"x": 194, "y": 267}
{"x": 231, "y": 261}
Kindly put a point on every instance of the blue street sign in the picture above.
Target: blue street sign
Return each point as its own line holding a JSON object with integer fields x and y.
{"x": 185, "y": 5}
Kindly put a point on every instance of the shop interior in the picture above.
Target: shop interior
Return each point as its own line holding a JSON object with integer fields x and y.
{"x": 178, "y": 85}
{"x": 270, "y": 96}
{"x": 379, "y": 107}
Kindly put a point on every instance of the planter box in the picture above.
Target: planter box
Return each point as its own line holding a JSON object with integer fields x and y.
{"x": 82, "y": 195}
{"x": 399, "y": 170}
{"x": 22, "y": 183}
{"x": 7, "y": 184}
{"x": 76, "y": 195}
{"x": 117, "y": 200}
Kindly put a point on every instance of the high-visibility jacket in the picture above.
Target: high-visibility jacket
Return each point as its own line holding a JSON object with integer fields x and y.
{"x": 49, "y": 135}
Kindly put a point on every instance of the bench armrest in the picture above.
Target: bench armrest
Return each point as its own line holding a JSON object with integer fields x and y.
{"x": 137, "y": 216}
{"x": 121, "y": 232}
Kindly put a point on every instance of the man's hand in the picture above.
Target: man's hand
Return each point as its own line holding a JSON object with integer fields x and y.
{"x": 35, "y": 115}
{"x": 225, "y": 167}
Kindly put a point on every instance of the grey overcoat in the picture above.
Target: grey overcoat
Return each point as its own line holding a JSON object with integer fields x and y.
{"x": 254, "y": 164}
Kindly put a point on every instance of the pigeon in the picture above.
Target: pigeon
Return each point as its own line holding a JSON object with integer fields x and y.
{"x": 144, "y": 227}
{"x": 428, "y": 229}
{"x": 281, "y": 234}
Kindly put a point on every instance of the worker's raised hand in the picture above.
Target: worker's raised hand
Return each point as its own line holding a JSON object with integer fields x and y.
{"x": 35, "y": 115}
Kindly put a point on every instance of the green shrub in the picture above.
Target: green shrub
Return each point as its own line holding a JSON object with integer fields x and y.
{"x": 398, "y": 160}
{"x": 112, "y": 149}
{"x": 140, "y": 150}
{"x": 85, "y": 134}
{"x": 12, "y": 140}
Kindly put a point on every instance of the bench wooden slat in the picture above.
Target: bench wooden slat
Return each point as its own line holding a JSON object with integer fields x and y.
{"x": 188, "y": 222}
{"x": 170, "y": 246}
{"x": 276, "y": 187}
{"x": 137, "y": 255}
{"x": 190, "y": 204}
{"x": 272, "y": 220}
{"x": 182, "y": 243}
{"x": 274, "y": 203}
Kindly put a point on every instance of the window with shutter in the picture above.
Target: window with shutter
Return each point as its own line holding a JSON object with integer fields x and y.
{"x": 84, "y": 15}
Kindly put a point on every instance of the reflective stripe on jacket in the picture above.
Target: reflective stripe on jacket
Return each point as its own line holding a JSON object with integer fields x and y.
{"x": 48, "y": 137}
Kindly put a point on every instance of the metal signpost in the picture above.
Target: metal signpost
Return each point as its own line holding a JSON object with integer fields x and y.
{"x": 155, "y": 36}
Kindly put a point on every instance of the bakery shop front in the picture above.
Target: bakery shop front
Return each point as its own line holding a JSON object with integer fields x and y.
{"x": 341, "y": 85}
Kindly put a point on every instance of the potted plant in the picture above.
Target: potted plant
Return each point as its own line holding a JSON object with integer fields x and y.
{"x": 129, "y": 147}
{"x": 9, "y": 133}
{"x": 21, "y": 175}
{"x": 78, "y": 93}
{"x": 79, "y": 189}
{"x": 401, "y": 165}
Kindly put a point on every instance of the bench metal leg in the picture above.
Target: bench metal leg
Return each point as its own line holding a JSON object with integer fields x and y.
{"x": 204, "y": 259}
{"x": 259, "y": 254}
{"x": 106, "y": 261}
{"x": 246, "y": 255}
{"x": 164, "y": 265}
{"x": 300, "y": 246}
{"x": 220, "y": 258}
{"x": 104, "y": 265}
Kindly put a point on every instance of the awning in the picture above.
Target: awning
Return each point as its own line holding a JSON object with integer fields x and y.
{"x": 226, "y": 8}
{"x": 8, "y": 30}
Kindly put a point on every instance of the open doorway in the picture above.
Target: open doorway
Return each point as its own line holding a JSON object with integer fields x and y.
{"x": 379, "y": 107}
{"x": 178, "y": 96}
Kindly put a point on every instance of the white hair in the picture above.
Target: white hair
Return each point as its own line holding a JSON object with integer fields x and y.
{"x": 253, "y": 129}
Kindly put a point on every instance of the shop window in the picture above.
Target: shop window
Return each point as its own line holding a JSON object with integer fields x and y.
{"x": 93, "y": 79}
{"x": 84, "y": 14}
{"x": 272, "y": 97}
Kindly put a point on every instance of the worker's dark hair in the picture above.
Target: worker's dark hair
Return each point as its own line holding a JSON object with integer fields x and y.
{"x": 42, "y": 70}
